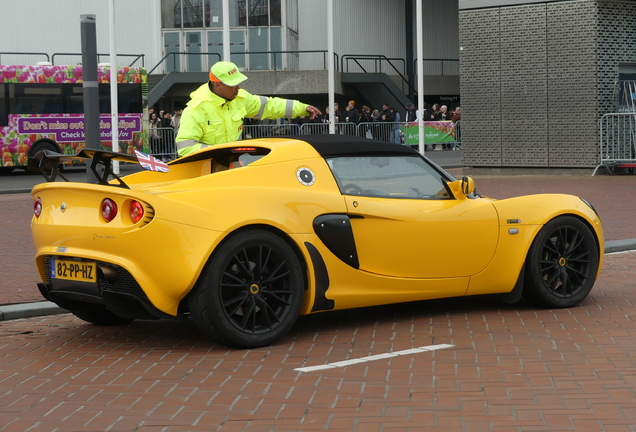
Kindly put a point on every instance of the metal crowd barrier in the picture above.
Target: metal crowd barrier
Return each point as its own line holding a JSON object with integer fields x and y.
{"x": 315, "y": 128}
{"x": 269, "y": 130}
{"x": 458, "y": 134}
{"x": 380, "y": 131}
{"x": 383, "y": 131}
{"x": 162, "y": 140}
{"x": 162, "y": 143}
{"x": 617, "y": 148}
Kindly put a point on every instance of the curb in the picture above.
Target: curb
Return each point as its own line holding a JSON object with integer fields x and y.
{"x": 620, "y": 245}
{"x": 29, "y": 310}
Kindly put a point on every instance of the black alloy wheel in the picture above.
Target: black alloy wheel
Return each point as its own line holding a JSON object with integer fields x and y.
{"x": 562, "y": 264}
{"x": 251, "y": 292}
{"x": 254, "y": 295}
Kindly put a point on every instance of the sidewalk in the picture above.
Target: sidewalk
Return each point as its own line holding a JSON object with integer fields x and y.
{"x": 614, "y": 198}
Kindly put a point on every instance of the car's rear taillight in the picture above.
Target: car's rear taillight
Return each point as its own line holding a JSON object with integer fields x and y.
{"x": 136, "y": 211}
{"x": 109, "y": 209}
{"x": 37, "y": 207}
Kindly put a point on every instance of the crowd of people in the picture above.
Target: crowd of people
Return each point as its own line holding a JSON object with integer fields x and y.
{"x": 165, "y": 119}
{"x": 162, "y": 129}
{"x": 382, "y": 124}
{"x": 367, "y": 114}
{"x": 388, "y": 114}
{"x": 163, "y": 125}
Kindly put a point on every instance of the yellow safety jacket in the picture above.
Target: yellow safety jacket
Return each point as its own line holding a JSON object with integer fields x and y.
{"x": 209, "y": 119}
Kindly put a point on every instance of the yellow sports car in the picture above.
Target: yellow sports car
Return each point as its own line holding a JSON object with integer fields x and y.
{"x": 244, "y": 237}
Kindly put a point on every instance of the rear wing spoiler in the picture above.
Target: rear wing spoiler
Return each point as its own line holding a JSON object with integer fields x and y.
{"x": 49, "y": 164}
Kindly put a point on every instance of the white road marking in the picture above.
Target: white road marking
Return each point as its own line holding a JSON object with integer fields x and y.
{"x": 373, "y": 357}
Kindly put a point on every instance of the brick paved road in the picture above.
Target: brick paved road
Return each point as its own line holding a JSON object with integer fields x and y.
{"x": 613, "y": 196}
{"x": 512, "y": 369}
{"x": 18, "y": 276}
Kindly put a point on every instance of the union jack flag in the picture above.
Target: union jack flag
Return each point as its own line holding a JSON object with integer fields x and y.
{"x": 150, "y": 162}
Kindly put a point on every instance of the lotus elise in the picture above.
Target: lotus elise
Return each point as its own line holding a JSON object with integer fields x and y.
{"x": 244, "y": 237}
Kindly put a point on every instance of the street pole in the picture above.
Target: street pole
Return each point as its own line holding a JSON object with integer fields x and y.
{"x": 408, "y": 29}
{"x": 420, "y": 76}
{"x": 90, "y": 87}
{"x": 226, "y": 30}
{"x": 330, "y": 68}
{"x": 114, "y": 104}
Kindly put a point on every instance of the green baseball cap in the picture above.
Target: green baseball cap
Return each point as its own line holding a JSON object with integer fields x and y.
{"x": 227, "y": 73}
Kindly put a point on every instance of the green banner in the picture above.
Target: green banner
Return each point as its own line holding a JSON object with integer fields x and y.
{"x": 434, "y": 132}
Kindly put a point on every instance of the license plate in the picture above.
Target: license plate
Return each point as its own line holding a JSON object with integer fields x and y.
{"x": 82, "y": 271}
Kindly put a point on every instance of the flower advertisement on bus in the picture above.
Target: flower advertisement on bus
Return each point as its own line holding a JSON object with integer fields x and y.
{"x": 46, "y": 108}
{"x": 67, "y": 130}
{"x": 54, "y": 74}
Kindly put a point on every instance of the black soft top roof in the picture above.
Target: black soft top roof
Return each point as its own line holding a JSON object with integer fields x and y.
{"x": 349, "y": 145}
{"x": 326, "y": 145}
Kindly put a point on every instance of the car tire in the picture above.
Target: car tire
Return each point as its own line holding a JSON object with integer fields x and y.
{"x": 99, "y": 315}
{"x": 38, "y": 147}
{"x": 562, "y": 264}
{"x": 251, "y": 291}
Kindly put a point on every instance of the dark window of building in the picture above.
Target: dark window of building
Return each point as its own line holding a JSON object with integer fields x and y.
{"x": 214, "y": 13}
{"x": 242, "y": 13}
{"x": 193, "y": 13}
{"x": 274, "y": 12}
{"x": 171, "y": 13}
{"x": 258, "y": 12}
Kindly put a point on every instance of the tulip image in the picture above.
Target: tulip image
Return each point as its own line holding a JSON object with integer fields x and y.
{"x": 9, "y": 72}
{"x": 13, "y": 144}
{"x": 24, "y": 146}
{"x": 48, "y": 71}
{"x": 7, "y": 160}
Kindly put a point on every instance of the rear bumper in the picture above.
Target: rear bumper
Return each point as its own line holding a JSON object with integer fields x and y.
{"x": 115, "y": 288}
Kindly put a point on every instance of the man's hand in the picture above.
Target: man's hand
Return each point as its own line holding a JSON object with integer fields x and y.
{"x": 313, "y": 112}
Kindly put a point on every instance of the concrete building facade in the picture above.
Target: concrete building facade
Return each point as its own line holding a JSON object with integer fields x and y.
{"x": 156, "y": 28}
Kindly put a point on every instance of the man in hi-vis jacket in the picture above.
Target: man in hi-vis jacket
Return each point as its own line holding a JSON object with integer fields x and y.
{"x": 216, "y": 111}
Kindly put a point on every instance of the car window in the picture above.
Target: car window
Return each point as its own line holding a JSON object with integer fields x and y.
{"x": 238, "y": 157}
{"x": 388, "y": 177}
{"x": 245, "y": 159}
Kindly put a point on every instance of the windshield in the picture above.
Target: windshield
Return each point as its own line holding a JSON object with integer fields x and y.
{"x": 388, "y": 177}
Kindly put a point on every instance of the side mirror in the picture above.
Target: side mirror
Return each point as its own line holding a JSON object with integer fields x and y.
{"x": 468, "y": 185}
{"x": 462, "y": 188}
